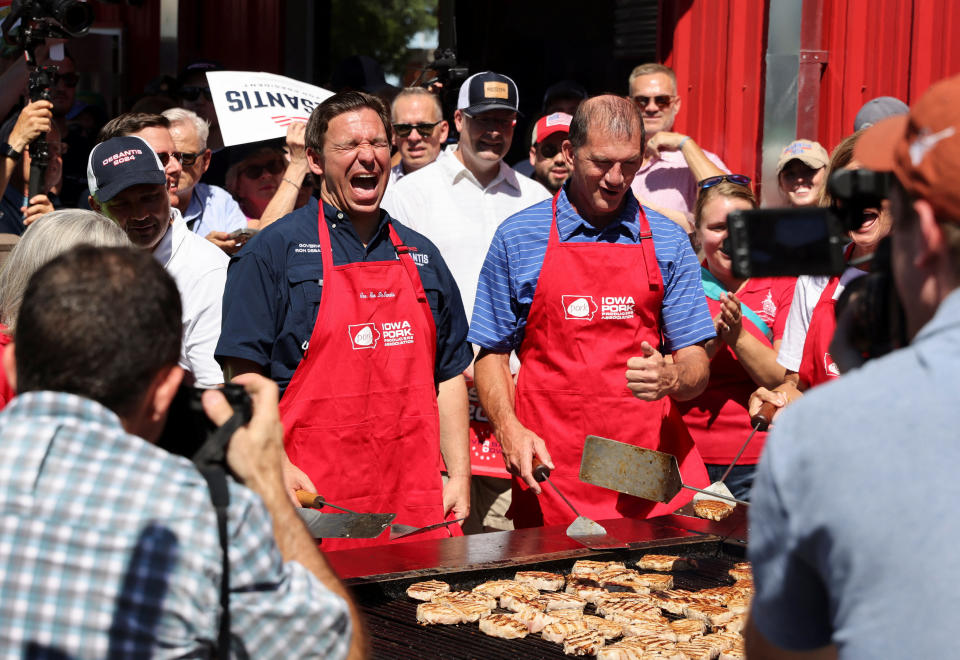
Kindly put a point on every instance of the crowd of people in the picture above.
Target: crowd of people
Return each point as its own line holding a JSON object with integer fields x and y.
{"x": 401, "y": 308}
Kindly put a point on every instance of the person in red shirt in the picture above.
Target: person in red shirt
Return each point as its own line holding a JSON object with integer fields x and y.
{"x": 749, "y": 316}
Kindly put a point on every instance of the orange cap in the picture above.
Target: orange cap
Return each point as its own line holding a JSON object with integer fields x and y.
{"x": 921, "y": 148}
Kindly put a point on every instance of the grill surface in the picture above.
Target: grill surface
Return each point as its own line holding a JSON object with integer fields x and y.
{"x": 391, "y": 616}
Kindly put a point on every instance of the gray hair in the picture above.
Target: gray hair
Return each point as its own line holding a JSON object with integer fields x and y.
{"x": 184, "y": 116}
{"x": 416, "y": 91}
{"x": 50, "y": 236}
{"x": 652, "y": 68}
{"x": 616, "y": 115}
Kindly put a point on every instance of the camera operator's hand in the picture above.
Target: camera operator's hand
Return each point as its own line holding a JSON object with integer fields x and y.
{"x": 255, "y": 453}
{"x": 39, "y": 205}
{"x": 34, "y": 119}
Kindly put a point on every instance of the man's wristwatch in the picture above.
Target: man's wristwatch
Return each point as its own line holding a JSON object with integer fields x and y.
{"x": 10, "y": 152}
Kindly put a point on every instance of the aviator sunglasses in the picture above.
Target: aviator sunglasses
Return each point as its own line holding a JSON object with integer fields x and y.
{"x": 710, "y": 181}
{"x": 425, "y": 129}
{"x": 662, "y": 101}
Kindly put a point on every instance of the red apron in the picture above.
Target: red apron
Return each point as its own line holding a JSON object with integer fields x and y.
{"x": 360, "y": 413}
{"x": 594, "y": 304}
{"x": 816, "y": 364}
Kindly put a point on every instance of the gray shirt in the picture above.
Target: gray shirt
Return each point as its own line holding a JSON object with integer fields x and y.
{"x": 854, "y": 523}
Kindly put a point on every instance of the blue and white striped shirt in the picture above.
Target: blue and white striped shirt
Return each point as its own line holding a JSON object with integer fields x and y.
{"x": 509, "y": 275}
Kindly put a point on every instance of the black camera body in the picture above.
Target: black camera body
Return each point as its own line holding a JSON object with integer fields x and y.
{"x": 188, "y": 429}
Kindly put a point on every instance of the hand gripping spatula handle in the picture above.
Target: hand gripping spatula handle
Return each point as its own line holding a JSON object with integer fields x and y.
{"x": 582, "y": 530}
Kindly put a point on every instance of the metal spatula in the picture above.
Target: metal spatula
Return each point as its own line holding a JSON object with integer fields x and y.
{"x": 718, "y": 489}
{"x": 349, "y": 524}
{"x": 582, "y": 530}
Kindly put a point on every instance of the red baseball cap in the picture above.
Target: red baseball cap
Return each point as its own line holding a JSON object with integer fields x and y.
{"x": 558, "y": 122}
{"x": 921, "y": 148}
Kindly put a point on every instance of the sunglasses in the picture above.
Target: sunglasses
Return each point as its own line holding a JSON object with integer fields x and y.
{"x": 165, "y": 157}
{"x": 709, "y": 182}
{"x": 68, "y": 79}
{"x": 549, "y": 150}
{"x": 662, "y": 101}
{"x": 193, "y": 93}
{"x": 425, "y": 129}
{"x": 256, "y": 171}
{"x": 189, "y": 159}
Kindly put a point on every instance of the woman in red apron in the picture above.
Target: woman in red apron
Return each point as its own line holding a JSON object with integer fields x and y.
{"x": 749, "y": 316}
{"x": 593, "y": 306}
{"x": 360, "y": 413}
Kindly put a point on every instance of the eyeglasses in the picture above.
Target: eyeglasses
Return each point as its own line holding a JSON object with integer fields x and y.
{"x": 165, "y": 157}
{"x": 549, "y": 150}
{"x": 68, "y": 79}
{"x": 189, "y": 159}
{"x": 425, "y": 129}
{"x": 256, "y": 171}
{"x": 492, "y": 123}
{"x": 710, "y": 181}
{"x": 662, "y": 101}
{"x": 190, "y": 93}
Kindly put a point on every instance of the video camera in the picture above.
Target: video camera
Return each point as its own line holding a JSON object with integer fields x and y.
{"x": 806, "y": 241}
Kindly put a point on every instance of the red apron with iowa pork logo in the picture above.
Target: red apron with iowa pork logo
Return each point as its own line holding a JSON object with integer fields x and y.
{"x": 360, "y": 413}
{"x": 593, "y": 306}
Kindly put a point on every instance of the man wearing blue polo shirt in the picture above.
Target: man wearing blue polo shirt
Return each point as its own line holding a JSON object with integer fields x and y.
{"x": 360, "y": 322}
{"x": 588, "y": 288}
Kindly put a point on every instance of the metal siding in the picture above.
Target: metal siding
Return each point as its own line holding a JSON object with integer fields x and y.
{"x": 716, "y": 48}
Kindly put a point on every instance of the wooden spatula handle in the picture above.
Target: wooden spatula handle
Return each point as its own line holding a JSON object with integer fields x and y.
{"x": 540, "y": 471}
{"x": 306, "y": 498}
{"x": 763, "y": 417}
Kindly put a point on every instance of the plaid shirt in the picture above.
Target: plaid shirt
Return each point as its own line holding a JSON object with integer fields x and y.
{"x": 109, "y": 548}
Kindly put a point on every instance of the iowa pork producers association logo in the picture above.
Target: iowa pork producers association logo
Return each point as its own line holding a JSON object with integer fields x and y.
{"x": 363, "y": 335}
{"x": 579, "y": 308}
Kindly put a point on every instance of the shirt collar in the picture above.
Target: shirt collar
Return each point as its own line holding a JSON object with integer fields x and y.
{"x": 335, "y": 216}
{"x": 164, "y": 250}
{"x": 61, "y": 404}
{"x": 570, "y": 223}
{"x": 457, "y": 170}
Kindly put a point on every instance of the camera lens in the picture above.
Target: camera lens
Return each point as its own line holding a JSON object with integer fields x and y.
{"x": 74, "y": 16}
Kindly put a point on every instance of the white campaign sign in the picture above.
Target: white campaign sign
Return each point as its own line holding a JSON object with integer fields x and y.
{"x": 253, "y": 106}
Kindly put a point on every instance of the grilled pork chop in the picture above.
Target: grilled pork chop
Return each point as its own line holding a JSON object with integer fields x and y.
{"x": 557, "y": 632}
{"x": 665, "y": 563}
{"x": 438, "y": 613}
{"x": 712, "y": 509}
{"x": 541, "y": 580}
{"x": 427, "y": 590}
{"x": 583, "y": 642}
{"x": 506, "y": 626}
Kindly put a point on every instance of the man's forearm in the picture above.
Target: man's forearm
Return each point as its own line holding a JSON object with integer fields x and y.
{"x": 455, "y": 426}
{"x": 700, "y": 166}
{"x": 495, "y": 389}
{"x": 692, "y": 373}
{"x": 295, "y": 544}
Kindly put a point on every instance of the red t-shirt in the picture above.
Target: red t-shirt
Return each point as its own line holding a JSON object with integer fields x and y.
{"x": 6, "y": 392}
{"x": 718, "y": 418}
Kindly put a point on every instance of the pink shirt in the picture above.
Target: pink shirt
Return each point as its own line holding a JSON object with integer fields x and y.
{"x": 668, "y": 183}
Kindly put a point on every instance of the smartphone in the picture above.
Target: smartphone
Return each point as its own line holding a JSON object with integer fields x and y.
{"x": 785, "y": 242}
{"x": 245, "y": 233}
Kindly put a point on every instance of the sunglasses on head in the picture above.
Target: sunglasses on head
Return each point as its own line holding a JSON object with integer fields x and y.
{"x": 165, "y": 157}
{"x": 68, "y": 79}
{"x": 256, "y": 171}
{"x": 191, "y": 93}
{"x": 662, "y": 101}
{"x": 425, "y": 129}
{"x": 710, "y": 181}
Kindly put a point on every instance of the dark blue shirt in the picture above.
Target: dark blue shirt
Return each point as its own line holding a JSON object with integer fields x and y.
{"x": 11, "y": 217}
{"x": 274, "y": 285}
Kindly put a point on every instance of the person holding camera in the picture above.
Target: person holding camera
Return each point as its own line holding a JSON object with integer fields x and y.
{"x": 134, "y": 565}
{"x": 17, "y": 208}
{"x": 855, "y": 496}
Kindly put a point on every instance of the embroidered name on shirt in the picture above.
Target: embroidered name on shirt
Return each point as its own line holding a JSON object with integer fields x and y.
{"x": 308, "y": 247}
{"x": 364, "y": 295}
{"x": 420, "y": 258}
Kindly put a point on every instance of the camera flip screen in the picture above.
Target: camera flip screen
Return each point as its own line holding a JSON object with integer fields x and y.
{"x": 785, "y": 242}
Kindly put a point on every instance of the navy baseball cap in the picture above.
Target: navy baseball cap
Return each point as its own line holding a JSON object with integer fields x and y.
{"x": 487, "y": 91}
{"x": 119, "y": 163}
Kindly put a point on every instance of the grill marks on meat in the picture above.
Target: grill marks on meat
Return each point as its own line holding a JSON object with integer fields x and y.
{"x": 438, "y": 613}
{"x": 427, "y": 590}
{"x": 584, "y": 642}
{"x": 563, "y": 602}
{"x": 665, "y": 563}
{"x": 583, "y": 566}
{"x": 495, "y": 588}
{"x": 741, "y": 571}
{"x": 588, "y": 589}
{"x": 609, "y": 629}
{"x": 558, "y": 631}
{"x": 715, "y": 615}
{"x": 466, "y": 598}
{"x": 506, "y": 626}
{"x": 687, "y": 629}
{"x": 541, "y": 580}
{"x": 712, "y": 509}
